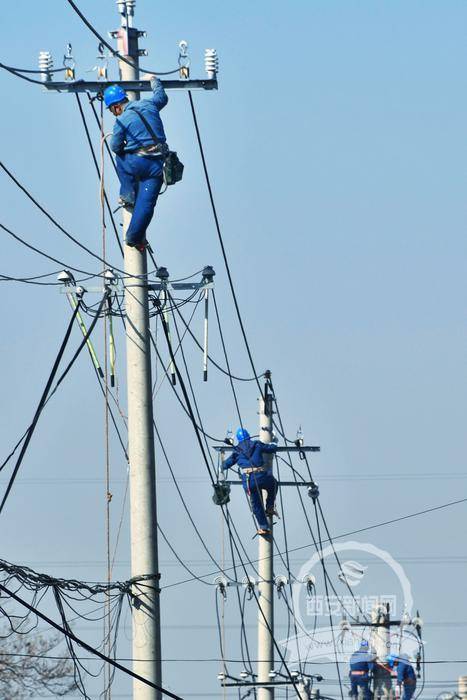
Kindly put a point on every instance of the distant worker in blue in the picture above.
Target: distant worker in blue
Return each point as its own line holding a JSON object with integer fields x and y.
{"x": 139, "y": 142}
{"x": 256, "y": 476}
{"x": 406, "y": 677}
{"x": 361, "y": 666}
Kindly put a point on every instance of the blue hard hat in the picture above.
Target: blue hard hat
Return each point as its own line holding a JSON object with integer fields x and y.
{"x": 113, "y": 95}
{"x": 391, "y": 659}
{"x": 364, "y": 644}
{"x": 242, "y": 434}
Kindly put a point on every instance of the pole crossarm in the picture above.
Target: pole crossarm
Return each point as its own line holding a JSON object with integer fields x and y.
{"x": 255, "y": 684}
{"x": 281, "y": 483}
{"x": 98, "y": 86}
{"x": 384, "y": 623}
{"x": 180, "y": 286}
{"x": 281, "y": 448}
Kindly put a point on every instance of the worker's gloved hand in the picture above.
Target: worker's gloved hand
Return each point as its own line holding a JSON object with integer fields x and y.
{"x": 151, "y": 77}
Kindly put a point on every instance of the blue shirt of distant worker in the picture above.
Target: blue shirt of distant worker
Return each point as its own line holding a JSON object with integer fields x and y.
{"x": 256, "y": 476}
{"x": 406, "y": 676}
{"x": 361, "y": 665}
{"x": 139, "y": 158}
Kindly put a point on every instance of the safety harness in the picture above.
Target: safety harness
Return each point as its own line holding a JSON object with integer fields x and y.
{"x": 172, "y": 168}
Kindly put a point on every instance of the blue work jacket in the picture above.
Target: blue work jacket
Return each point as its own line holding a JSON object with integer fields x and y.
{"x": 130, "y": 133}
{"x": 249, "y": 453}
{"x": 406, "y": 673}
{"x": 361, "y": 663}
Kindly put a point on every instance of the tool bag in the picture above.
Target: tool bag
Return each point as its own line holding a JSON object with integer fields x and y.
{"x": 173, "y": 167}
{"x": 221, "y": 495}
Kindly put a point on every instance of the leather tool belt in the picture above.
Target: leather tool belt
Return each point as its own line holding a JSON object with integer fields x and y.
{"x": 156, "y": 150}
{"x": 251, "y": 470}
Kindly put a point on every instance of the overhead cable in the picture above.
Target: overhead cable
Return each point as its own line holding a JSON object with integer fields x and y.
{"x": 450, "y": 504}
{"x": 70, "y": 635}
{"x": 220, "y": 237}
{"x": 46, "y": 396}
{"x": 114, "y": 53}
{"x": 55, "y": 222}
{"x": 98, "y": 170}
{"x": 41, "y": 252}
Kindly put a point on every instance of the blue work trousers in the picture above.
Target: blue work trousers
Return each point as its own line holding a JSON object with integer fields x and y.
{"x": 140, "y": 183}
{"x": 357, "y": 682}
{"x": 409, "y": 690}
{"x": 254, "y": 484}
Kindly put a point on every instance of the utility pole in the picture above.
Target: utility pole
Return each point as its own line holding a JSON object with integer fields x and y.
{"x": 144, "y": 551}
{"x": 265, "y": 567}
{"x": 265, "y": 680}
{"x": 380, "y": 643}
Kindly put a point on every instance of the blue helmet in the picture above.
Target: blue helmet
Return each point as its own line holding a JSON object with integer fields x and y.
{"x": 364, "y": 644}
{"x": 242, "y": 434}
{"x": 391, "y": 660}
{"x": 113, "y": 95}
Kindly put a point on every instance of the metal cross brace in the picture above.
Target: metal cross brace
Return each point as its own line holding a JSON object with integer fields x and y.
{"x": 131, "y": 85}
{"x": 281, "y": 448}
{"x": 179, "y": 286}
{"x": 233, "y": 482}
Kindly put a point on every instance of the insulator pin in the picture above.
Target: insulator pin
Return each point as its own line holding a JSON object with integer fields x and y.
{"x": 211, "y": 63}
{"x": 46, "y": 65}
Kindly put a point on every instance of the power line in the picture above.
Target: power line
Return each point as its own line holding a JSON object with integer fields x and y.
{"x": 41, "y": 252}
{"x": 220, "y": 237}
{"x": 55, "y": 222}
{"x": 17, "y": 73}
{"x": 46, "y": 396}
{"x": 349, "y": 533}
{"x": 33, "y": 70}
{"x": 98, "y": 170}
{"x": 114, "y": 53}
{"x": 71, "y": 636}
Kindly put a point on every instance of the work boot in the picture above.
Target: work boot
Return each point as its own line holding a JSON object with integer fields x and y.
{"x": 142, "y": 246}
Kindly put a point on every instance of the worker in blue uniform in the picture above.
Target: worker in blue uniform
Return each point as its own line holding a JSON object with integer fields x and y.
{"x": 361, "y": 666}
{"x": 406, "y": 677}
{"x": 139, "y": 142}
{"x": 256, "y": 476}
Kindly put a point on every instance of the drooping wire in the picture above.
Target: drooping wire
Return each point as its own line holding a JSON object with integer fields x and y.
{"x": 41, "y": 252}
{"x": 73, "y": 638}
{"x": 18, "y": 74}
{"x": 221, "y": 240}
{"x": 98, "y": 170}
{"x": 114, "y": 53}
{"x": 56, "y": 223}
{"x": 331, "y": 624}
{"x": 40, "y": 406}
{"x": 46, "y": 396}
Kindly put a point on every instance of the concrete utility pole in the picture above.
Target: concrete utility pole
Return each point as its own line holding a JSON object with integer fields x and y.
{"x": 380, "y": 632}
{"x": 380, "y": 643}
{"x": 304, "y": 690}
{"x": 265, "y": 569}
{"x": 144, "y": 553}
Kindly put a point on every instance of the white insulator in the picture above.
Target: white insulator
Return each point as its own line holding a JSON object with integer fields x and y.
{"x": 46, "y": 65}
{"x": 211, "y": 63}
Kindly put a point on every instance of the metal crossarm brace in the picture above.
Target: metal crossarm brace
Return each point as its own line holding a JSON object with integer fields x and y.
{"x": 130, "y": 85}
{"x": 281, "y": 448}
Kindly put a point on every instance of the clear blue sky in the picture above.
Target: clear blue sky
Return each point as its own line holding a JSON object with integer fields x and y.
{"x": 336, "y": 146}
